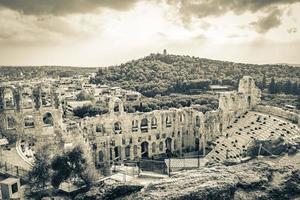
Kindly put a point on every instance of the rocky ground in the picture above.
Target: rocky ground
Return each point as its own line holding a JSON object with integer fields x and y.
{"x": 262, "y": 178}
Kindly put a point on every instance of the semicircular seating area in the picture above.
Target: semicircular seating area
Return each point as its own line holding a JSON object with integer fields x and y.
{"x": 247, "y": 128}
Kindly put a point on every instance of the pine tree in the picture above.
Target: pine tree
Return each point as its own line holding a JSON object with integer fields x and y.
{"x": 298, "y": 103}
{"x": 287, "y": 87}
{"x": 272, "y": 86}
{"x": 264, "y": 83}
{"x": 295, "y": 88}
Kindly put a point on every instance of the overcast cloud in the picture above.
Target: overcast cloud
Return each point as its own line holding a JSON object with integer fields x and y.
{"x": 113, "y": 31}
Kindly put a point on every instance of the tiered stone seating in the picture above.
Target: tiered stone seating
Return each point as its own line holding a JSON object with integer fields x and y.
{"x": 233, "y": 144}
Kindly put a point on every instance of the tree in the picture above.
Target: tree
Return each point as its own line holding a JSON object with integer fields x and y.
{"x": 73, "y": 164}
{"x": 298, "y": 103}
{"x": 295, "y": 88}
{"x": 264, "y": 82}
{"x": 83, "y": 95}
{"x": 287, "y": 87}
{"x": 40, "y": 175}
{"x": 272, "y": 86}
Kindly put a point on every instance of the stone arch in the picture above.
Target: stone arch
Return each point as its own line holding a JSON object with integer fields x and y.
{"x": 117, "y": 151}
{"x": 181, "y": 117}
{"x": 9, "y": 97}
{"x": 48, "y": 119}
{"x": 153, "y": 123}
{"x": 135, "y": 125}
{"x": 118, "y": 127}
{"x": 198, "y": 122}
{"x": 46, "y": 97}
{"x": 11, "y": 122}
{"x": 29, "y": 121}
{"x": 161, "y": 146}
{"x": 127, "y": 151}
{"x": 168, "y": 121}
{"x": 27, "y": 97}
{"x": 168, "y": 142}
{"x": 101, "y": 156}
{"x": 117, "y": 106}
{"x": 144, "y": 149}
{"x": 153, "y": 147}
{"x": 144, "y": 125}
{"x": 249, "y": 101}
{"x": 99, "y": 128}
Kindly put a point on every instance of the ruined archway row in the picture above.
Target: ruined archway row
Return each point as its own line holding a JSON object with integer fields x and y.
{"x": 117, "y": 135}
{"x": 18, "y": 97}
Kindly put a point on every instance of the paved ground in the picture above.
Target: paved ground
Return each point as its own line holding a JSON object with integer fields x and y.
{"x": 12, "y": 157}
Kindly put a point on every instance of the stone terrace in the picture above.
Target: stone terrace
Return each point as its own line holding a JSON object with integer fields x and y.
{"x": 245, "y": 129}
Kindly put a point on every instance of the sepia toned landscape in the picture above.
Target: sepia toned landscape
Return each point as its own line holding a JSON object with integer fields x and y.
{"x": 158, "y": 99}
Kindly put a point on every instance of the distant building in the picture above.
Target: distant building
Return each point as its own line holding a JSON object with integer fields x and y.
{"x": 165, "y": 52}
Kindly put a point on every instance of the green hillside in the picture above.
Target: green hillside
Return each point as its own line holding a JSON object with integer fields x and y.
{"x": 165, "y": 74}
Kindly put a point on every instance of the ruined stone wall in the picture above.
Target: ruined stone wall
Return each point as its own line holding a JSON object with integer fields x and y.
{"x": 30, "y": 111}
{"x": 234, "y": 104}
{"x": 286, "y": 114}
{"x": 121, "y": 135}
{"x": 148, "y": 134}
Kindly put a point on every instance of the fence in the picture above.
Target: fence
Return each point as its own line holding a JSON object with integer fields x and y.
{"x": 12, "y": 170}
{"x": 159, "y": 167}
{"x": 187, "y": 162}
{"x": 164, "y": 167}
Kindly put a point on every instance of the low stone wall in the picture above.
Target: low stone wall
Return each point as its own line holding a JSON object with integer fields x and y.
{"x": 285, "y": 114}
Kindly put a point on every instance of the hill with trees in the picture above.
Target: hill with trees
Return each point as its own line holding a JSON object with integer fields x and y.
{"x": 160, "y": 74}
{"x": 9, "y": 73}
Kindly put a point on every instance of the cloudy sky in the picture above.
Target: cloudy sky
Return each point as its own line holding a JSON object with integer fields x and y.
{"x": 108, "y": 32}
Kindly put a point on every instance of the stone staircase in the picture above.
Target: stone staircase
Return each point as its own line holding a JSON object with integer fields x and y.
{"x": 232, "y": 146}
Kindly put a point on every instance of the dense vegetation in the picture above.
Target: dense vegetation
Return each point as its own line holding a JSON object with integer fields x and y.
{"x": 165, "y": 74}
{"x": 287, "y": 87}
{"x": 206, "y": 102}
{"x": 48, "y": 173}
{"x": 8, "y": 73}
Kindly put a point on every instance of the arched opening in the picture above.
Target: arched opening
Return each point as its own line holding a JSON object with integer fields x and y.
{"x": 197, "y": 121}
{"x": 168, "y": 122}
{"x": 144, "y": 125}
{"x": 168, "y": 142}
{"x": 26, "y": 98}
{"x": 181, "y": 117}
{"x": 46, "y": 97}
{"x": 110, "y": 153}
{"x": 9, "y": 98}
{"x": 144, "y": 149}
{"x": 48, "y": 119}
{"x": 11, "y": 123}
{"x": 127, "y": 151}
{"x": 135, "y": 126}
{"x": 161, "y": 146}
{"x": 153, "y": 147}
{"x": 153, "y": 123}
{"x": 101, "y": 156}
{"x": 29, "y": 121}
{"x": 118, "y": 128}
{"x": 249, "y": 100}
{"x": 117, "y": 106}
{"x": 197, "y": 144}
{"x": 99, "y": 128}
{"x": 117, "y": 152}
